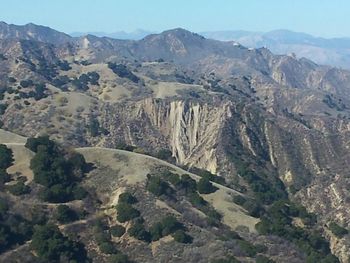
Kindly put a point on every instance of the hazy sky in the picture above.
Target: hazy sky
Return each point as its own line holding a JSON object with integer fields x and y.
{"x": 327, "y": 18}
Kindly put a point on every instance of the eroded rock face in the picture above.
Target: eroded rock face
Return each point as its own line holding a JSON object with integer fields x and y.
{"x": 312, "y": 159}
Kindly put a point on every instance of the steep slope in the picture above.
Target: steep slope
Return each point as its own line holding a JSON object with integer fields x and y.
{"x": 114, "y": 172}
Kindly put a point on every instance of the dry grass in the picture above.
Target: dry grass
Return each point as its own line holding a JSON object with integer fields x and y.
{"x": 132, "y": 168}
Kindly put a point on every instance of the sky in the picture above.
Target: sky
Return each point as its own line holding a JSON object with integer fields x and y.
{"x": 326, "y": 18}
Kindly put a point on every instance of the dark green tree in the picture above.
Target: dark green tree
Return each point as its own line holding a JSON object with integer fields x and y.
{"x": 50, "y": 245}
{"x": 125, "y": 212}
{"x": 64, "y": 214}
{"x": 204, "y": 186}
{"x": 6, "y": 157}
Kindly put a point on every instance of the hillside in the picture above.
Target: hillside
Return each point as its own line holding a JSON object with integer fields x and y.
{"x": 115, "y": 172}
{"x": 272, "y": 128}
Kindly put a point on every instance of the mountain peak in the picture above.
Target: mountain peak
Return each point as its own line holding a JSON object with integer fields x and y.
{"x": 181, "y": 33}
{"x": 32, "y": 31}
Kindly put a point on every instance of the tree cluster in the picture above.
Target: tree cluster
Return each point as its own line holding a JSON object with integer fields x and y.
{"x": 123, "y": 72}
{"x": 59, "y": 172}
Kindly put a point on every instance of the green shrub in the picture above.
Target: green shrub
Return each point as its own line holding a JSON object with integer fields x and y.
{"x": 4, "y": 177}
{"x": 173, "y": 178}
{"x": 187, "y": 184}
{"x": 166, "y": 226}
{"x": 107, "y": 248}
{"x": 196, "y": 200}
{"x": 204, "y": 186}
{"x": 18, "y": 189}
{"x": 3, "y": 108}
{"x": 263, "y": 259}
{"x": 127, "y": 197}
{"x": 239, "y": 199}
{"x": 156, "y": 185}
{"x": 3, "y": 207}
{"x": 78, "y": 192}
{"x": 50, "y": 245}
{"x": 156, "y": 231}
{"x": 94, "y": 127}
{"x": 123, "y": 72}
{"x": 138, "y": 231}
{"x": 58, "y": 171}
{"x": 338, "y": 230}
{"x": 64, "y": 214}
{"x": 181, "y": 237}
{"x": 102, "y": 236}
{"x": 126, "y": 212}
{"x": 118, "y": 258}
{"x": 117, "y": 230}
{"x": 164, "y": 154}
{"x": 6, "y": 157}
{"x": 247, "y": 248}
{"x": 170, "y": 225}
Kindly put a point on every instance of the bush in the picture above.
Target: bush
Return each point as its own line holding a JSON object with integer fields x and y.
{"x": 247, "y": 248}
{"x": 156, "y": 231}
{"x": 338, "y": 230}
{"x": 4, "y": 177}
{"x": 156, "y": 185}
{"x": 18, "y": 189}
{"x": 170, "y": 225}
{"x": 123, "y": 72}
{"x": 263, "y": 259}
{"x": 50, "y": 245}
{"x": 173, "y": 178}
{"x": 33, "y": 144}
{"x": 204, "y": 186}
{"x": 196, "y": 200}
{"x": 6, "y": 158}
{"x": 166, "y": 226}
{"x": 127, "y": 197}
{"x": 64, "y": 65}
{"x": 3, "y": 108}
{"x": 187, "y": 184}
{"x": 59, "y": 172}
{"x": 79, "y": 192}
{"x": 102, "y": 237}
{"x": 138, "y": 231}
{"x": 3, "y": 207}
{"x": 107, "y": 248}
{"x": 126, "y": 212}
{"x": 118, "y": 258}
{"x": 26, "y": 83}
{"x": 164, "y": 154}
{"x": 239, "y": 199}
{"x": 64, "y": 214}
{"x": 181, "y": 237}
{"x": 117, "y": 230}
{"x": 12, "y": 80}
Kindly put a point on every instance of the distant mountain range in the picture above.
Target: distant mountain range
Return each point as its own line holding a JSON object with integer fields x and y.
{"x": 134, "y": 35}
{"x": 327, "y": 51}
{"x": 324, "y": 51}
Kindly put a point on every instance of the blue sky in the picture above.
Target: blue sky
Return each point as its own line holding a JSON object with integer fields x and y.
{"x": 328, "y": 18}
